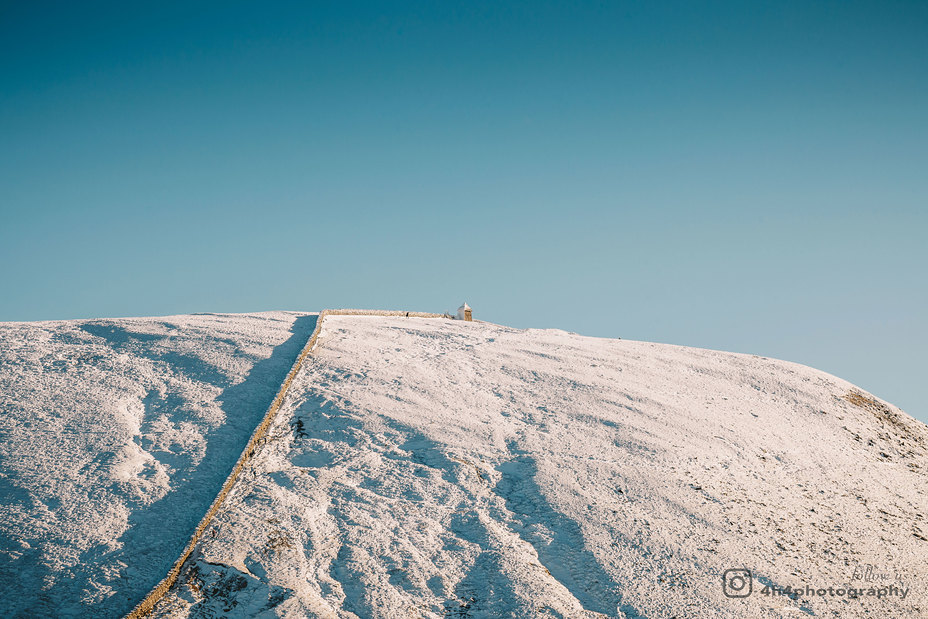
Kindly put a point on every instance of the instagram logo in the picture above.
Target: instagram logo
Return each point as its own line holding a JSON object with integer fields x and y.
{"x": 737, "y": 583}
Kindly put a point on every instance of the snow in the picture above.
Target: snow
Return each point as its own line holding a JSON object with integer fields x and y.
{"x": 427, "y": 467}
{"x": 115, "y": 436}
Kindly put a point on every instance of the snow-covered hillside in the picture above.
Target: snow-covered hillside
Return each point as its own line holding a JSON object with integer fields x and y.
{"x": 115, "y": 436}
{"x": 427, "y": 468}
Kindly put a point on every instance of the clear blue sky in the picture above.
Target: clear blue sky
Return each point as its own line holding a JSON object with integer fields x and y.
{"x": 747, "y": 176}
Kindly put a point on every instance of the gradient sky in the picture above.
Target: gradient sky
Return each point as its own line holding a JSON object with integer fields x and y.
{"x": 746, "y": 176}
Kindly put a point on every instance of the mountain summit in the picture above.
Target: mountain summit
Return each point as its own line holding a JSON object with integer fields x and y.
{"x": 429, "y": 467}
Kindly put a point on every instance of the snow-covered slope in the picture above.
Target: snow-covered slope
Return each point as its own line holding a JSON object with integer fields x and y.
{"x": 115, "y": 436}
{"x": 426, "y": 468}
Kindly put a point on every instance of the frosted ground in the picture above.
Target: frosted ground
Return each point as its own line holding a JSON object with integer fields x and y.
{"x": 436, "y": 468}
{"x": 115, "y": 436}
{"x": 428, "y": 468}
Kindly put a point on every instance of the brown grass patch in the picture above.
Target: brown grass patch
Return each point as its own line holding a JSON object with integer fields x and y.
{"x": 882, "y": 412}
{"x": 276, "y": 540}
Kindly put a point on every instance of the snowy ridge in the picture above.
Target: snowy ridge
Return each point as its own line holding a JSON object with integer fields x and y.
{"x": 145, "y": 606}
{"x": 437, "y": 468}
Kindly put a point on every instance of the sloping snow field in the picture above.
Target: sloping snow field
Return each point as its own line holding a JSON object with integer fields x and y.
{"x": 427, "y": 468}
{"x": 115, "y": 436}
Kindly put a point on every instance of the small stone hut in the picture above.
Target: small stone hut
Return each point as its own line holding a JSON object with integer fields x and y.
{"x": 464, "y": 313}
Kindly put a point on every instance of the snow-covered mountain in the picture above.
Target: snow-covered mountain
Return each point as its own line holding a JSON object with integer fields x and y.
{"x": 429, "y": 467}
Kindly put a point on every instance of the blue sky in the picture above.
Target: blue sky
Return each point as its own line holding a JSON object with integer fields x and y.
{"x": 745, "y": 176}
